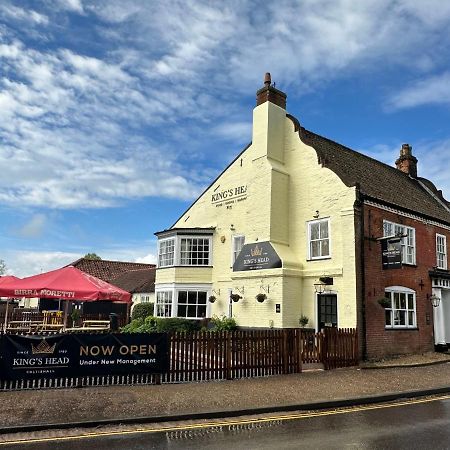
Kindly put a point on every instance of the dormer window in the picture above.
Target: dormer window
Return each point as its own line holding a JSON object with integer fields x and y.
{"x": 184, "y": 247}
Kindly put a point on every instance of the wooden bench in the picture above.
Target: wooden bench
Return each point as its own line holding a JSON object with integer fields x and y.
{"x": 89, "y": 326}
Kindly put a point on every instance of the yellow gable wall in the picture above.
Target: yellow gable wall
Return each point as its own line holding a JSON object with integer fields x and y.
{"x": 284, "y": 187}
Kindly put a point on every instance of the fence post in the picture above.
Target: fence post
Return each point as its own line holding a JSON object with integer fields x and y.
{"x": 285, "y": 353}
{"x": 229, "y": 355}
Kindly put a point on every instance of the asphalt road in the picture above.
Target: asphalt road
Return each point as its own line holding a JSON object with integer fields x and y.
{"x": 417, "y": 424}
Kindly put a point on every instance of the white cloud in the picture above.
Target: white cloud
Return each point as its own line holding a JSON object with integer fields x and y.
{"x": 147, "y": 259}
{"x": 26, "y": 15}
{"x": 430, "y": 90}
{"x": 89, "y": 126}
{"x": 26, "y": 263}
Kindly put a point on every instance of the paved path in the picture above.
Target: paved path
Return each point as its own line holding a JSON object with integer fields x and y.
{"x": 122, "y": 402}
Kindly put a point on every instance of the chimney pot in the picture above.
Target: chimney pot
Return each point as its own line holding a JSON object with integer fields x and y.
{"x": 269, "y": 93}
{"x": 407, "y": 163}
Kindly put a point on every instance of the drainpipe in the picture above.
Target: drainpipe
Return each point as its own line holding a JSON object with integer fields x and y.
{"x": 362, "y": 275}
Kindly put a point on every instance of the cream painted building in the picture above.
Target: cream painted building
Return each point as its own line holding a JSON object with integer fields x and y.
{"x": 274, "y": 222}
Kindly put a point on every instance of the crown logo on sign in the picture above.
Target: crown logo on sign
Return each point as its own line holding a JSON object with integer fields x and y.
{"x": 256, "y": 251}
{"x": 43, "y": 347}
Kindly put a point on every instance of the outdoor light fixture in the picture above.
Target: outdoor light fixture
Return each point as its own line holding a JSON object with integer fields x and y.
{"x": 320, "y": 287}
{"x": 323, "y": 284}
{"x": 435, "y": 301}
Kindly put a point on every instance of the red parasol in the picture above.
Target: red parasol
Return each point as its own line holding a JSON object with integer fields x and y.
{"x": 67, "y": 283}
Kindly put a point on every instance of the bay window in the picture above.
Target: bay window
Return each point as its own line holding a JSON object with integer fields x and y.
{"x": 179, "y": 250}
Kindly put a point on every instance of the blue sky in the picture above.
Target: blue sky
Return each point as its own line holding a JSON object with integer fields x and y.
{"x": 115, "y": 115}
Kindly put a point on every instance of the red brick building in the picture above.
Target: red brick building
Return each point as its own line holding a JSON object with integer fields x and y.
{"x": 404, "y": 307}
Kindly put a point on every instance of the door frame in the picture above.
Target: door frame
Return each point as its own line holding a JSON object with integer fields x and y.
{"x": 316, "y": 307}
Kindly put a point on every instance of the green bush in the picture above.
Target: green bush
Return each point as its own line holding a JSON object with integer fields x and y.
{"x": 170, "y": 324}
{"x": 223, "y": 323}
{"x": 161, "y": 325}
{"x": 142, "y": 310}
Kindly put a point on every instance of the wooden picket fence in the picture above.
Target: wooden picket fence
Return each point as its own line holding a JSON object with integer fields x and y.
{"x": 210, "y": 355}
{"x": 254, "y": 353}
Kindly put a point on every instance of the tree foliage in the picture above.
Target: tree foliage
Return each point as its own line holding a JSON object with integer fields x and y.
{"x": 92, "y": 256}
{"x": 2, "y": 267}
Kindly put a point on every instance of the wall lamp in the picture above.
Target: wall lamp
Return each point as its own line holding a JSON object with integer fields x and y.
{"x": 435, "y": 301}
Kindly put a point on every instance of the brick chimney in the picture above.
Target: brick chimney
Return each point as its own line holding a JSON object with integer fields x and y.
{"x": 407, "y": 162}
{"x": 268, "y": 93}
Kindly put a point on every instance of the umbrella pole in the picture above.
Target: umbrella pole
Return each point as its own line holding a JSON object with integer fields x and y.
{"x": 6, "y": 315}
{"x": 66, "y": 308}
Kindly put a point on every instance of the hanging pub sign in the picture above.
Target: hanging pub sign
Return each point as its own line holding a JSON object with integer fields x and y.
{"x": 391, "y": 251}
{"x": 258, "y": 256}
{"x": 77, "y": 355}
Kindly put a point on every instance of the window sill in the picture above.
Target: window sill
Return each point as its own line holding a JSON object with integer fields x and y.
{"x": 318, "y": 259}
{"x": 402, "y": 329}
{"x": 172, "y": 267}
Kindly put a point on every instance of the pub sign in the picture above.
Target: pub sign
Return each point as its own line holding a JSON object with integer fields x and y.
{"x": 257, "y": 256}
{"x": 391, "y": 251}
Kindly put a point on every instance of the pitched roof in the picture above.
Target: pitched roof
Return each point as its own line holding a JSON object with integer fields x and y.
{"x": 136, "y": 281}
{"x": 107, "y": 270}
{"x": 376, "y": 180}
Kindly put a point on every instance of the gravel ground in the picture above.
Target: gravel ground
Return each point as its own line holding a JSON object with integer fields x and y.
{"x": 117, "y": 402}
{"x": 409, "y": 360}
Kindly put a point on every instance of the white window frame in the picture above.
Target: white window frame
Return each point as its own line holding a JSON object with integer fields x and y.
{"x": 163, "y": 241}
{"x": 234, "y": 254}
{"x": 176, "y": 261}
{"x": 313, "y": 222}
{"x": 390, "y": 292}
{"x": 178, "y": 250}
{"x": 174, "y": 288}
{"x": 188, "y": 290}
{"x": 164, "y": 297}
{"x": 441, "y": 251}
{"x": 408, "y": 243}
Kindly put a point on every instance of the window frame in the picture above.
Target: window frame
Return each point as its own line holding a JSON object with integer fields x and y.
{"x": 403, "y": 241}
{"x": 390, "y": 292}
{"x": 309, "y": 225}
{"x": 187, "y": 304}
{"x": 164, "y": 241}
{"x": 167, "y": 305}
{"x": 174, "y": 290}
{"x": 177, "y": 240}
{"x": 443, "y": 253}
{"x": 234, "y": 239}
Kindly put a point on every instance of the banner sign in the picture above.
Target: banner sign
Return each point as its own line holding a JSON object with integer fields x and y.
{"x": 77, "y": 355}
{"x": 257, "y": 257}
{"x": 391, "y": 251}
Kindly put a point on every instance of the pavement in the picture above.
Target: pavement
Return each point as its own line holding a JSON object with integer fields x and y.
{"x": 33, "y": 410}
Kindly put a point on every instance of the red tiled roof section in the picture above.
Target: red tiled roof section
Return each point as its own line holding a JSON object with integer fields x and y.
{"x": 136, "y": 281}
{"x": 107, "y": 270}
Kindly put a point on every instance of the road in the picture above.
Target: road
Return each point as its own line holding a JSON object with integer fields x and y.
{"x": 413, "y": 424}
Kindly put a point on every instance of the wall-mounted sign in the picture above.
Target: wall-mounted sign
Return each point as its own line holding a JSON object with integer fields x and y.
{"x": 258, "y": 256}
{"x": 391, "y": 251}
{"x": 228, "y": 197}
{"x": 73, "y": 355}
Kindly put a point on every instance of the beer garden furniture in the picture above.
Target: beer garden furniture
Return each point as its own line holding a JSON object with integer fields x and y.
{"x": 68, "y": 284}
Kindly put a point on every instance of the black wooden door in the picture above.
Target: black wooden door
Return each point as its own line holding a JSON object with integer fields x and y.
{"x": 327, "y": 310}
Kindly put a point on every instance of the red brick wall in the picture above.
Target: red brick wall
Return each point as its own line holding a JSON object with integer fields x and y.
{"x": 382, "y": 342}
